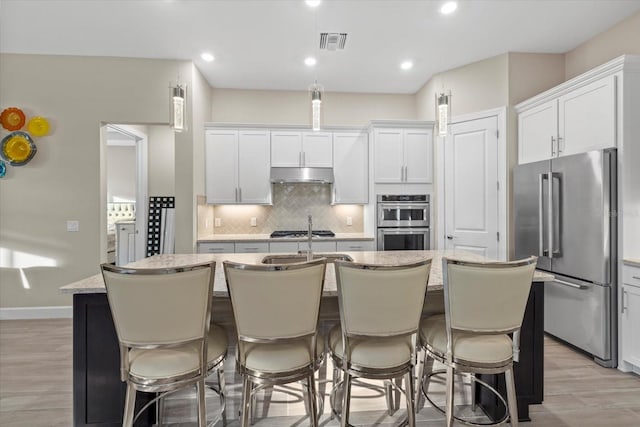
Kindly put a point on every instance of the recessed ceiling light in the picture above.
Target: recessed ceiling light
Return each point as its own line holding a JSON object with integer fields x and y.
{"x": 207, "y": 57}
{"x": 406, "y": 65}
{"x": 312, "y": 3}
{"x": 448, "y": 7}
{"x": 310, "y": 61}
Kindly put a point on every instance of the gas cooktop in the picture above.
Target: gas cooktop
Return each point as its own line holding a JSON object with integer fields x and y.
{"x": 302, "y": 233}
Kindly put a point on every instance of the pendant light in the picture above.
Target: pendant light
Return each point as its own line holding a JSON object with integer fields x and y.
{"x": 316, "y": 104}
{"x": 178, "y": 107}
{"x": 443, "y": 105}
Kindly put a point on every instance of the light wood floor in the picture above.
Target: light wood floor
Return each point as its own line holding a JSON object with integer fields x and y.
{"x": 36, "y": 389}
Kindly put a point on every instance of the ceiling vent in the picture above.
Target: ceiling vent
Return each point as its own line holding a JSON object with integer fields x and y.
{"x": 333, "y": 41}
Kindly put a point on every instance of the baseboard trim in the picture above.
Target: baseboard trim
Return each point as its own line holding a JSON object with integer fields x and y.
{"x": 56, "y": 312}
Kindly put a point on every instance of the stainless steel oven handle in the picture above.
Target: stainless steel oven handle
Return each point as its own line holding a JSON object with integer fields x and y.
{"x": 569, "y": 284}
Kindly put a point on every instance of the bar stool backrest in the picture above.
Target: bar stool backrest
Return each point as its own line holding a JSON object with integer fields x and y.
{"x": 487, "y": 297}
{"x": 378, "y": 300}
{"x": 153, "y": 307}
{"x": 272, "y": 302}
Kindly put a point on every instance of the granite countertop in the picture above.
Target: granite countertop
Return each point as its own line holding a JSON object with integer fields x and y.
{"x": 95, "y": 284}
{"x": 267, "y": 238}
{"x": 633, "y": 262}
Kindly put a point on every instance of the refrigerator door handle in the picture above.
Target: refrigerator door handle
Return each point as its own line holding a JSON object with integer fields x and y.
{"x": 571, "y": 285}
{"x": 550, "y": 216}
{"x": 541, "y": 250}
{"x": 556, "y": 239}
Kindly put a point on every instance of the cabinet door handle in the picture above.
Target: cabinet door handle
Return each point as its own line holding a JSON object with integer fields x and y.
{"x": 553, "y": 143}
{"x": 239, "y": 194}
{"x": 622, "y": 307}
{"x": 560, "y": 150}
{"x": 304, "y": 159}
{"x": 635, "y": 277}
{"x": 236, "y": 196}
{"x": 300, "y": 159}
{"x": 449, "y": 237}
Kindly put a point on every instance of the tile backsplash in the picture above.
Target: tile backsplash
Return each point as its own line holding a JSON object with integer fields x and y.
{"x": 291, "y": 205}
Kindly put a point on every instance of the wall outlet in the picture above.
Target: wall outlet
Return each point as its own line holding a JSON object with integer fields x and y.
{"x": 218, "y": 222}
{"x": 73, "y": 225}
{"x": 349, "y": 220}
{"x": 254, "y": 221}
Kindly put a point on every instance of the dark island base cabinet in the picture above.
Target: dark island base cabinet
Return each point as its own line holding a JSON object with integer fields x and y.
{"x": 98, "y": 393}
{"x": 529, "y": 371}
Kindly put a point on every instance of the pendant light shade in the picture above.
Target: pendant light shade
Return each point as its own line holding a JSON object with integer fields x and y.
{"x": 443, "y": 104}
{"x": 316, "y": 104}
{"x": 178, "y": 107}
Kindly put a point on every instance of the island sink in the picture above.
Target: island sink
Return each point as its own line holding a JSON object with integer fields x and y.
{"x": 291, "y": 258}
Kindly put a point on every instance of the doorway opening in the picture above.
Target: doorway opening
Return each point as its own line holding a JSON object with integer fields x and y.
{"x": 126, "y": 151}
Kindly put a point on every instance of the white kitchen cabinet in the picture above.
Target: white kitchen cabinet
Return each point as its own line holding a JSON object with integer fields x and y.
{"x": 251, "y": 247}
{"x": 237, "y": 167}
{"x": 324, "y": 246}
{"x": 317, "y": 149}
{"x": 630, "y": 317}
{"x": 537, "y": 132}
{"x": 580, "y": 118}
{"x": 285, "y": 247}
{"x": 403, "y": 155}
{"x": 355, "y": 245}
{"x": 216, "y": 248}
{"x": 301, "y": 149}
{"x": 350, "y": 168}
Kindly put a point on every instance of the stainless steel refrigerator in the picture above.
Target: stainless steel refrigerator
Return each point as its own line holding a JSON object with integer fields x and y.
{"x": 565, "y": 213}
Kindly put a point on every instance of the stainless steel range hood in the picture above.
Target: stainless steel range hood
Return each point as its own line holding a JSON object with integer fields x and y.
{"x": 302, "y": 175}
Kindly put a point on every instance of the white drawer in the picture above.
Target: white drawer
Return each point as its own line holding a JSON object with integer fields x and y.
{"x": 631, "y": 275}
{"x": 356, "y": 245}
{"x": 252, "y": 247}
{"x": 215, "y": 248}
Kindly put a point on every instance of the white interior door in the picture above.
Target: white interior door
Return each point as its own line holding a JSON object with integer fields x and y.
{"x": 471, "y": 187}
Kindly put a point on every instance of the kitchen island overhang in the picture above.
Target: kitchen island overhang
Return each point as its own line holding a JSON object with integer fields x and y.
{"x": 99, "y": 393}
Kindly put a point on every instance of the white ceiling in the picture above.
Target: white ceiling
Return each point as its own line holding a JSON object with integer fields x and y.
{"x": 261, "y": 44}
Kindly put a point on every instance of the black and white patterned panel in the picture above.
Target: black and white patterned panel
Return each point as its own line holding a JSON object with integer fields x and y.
{"x": 154, "y": 231}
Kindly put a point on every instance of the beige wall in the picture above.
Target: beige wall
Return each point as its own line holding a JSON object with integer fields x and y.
{"x": 623, "y": 38}
{"x": 478, "y": 86}
{"x": 65, "y": 180}
{"x": 290, "y": 107}
{"x": 161, "y": 161}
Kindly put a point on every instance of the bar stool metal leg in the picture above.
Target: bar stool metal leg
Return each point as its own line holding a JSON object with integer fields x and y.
{"x": 511, "y": 397}
{"x": 346, "y": 398}
{"x": 449, "y": 410}
{"x": 202, "y": 412}
{"x": 313, "y": 404}
{"x": 409, "y": 396}
{"x": 129, "y": 406}
{"x": 245, "y": 407}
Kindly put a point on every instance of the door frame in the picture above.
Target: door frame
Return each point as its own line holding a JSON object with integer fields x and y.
{"x": 503, "y": 178}
{"x": 142, "y": 176}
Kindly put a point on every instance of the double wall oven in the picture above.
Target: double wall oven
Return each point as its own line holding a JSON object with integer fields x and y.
{"x": 403, "y": 222}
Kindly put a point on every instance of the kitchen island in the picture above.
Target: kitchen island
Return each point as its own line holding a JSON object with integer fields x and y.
{"x": 99, "y": 393}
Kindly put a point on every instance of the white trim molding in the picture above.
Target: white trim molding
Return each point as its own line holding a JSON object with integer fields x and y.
{"x": 55, "y": 312}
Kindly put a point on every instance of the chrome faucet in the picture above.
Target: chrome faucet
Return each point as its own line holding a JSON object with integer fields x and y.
{"x": 309, "y": 236}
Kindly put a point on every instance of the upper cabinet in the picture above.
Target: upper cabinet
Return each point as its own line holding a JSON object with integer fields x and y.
{"x": 301, "y": 149}
{"x": 350, "y": 168}
{"x": 579, "y": 118}
{"x": 237, "y": 167}
{"x": 403, "y": 155}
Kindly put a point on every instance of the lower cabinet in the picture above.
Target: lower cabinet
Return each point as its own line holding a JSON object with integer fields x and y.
{"x": 216, "y": 248}
{"x": 356, "y": 245}
{"x": 285, "y": 246}
{"x": 630, "y": 316}
{"x": 252, "y": 247}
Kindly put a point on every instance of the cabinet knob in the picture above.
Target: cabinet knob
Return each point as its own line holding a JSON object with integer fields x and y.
{"x": 449, "y": 237}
